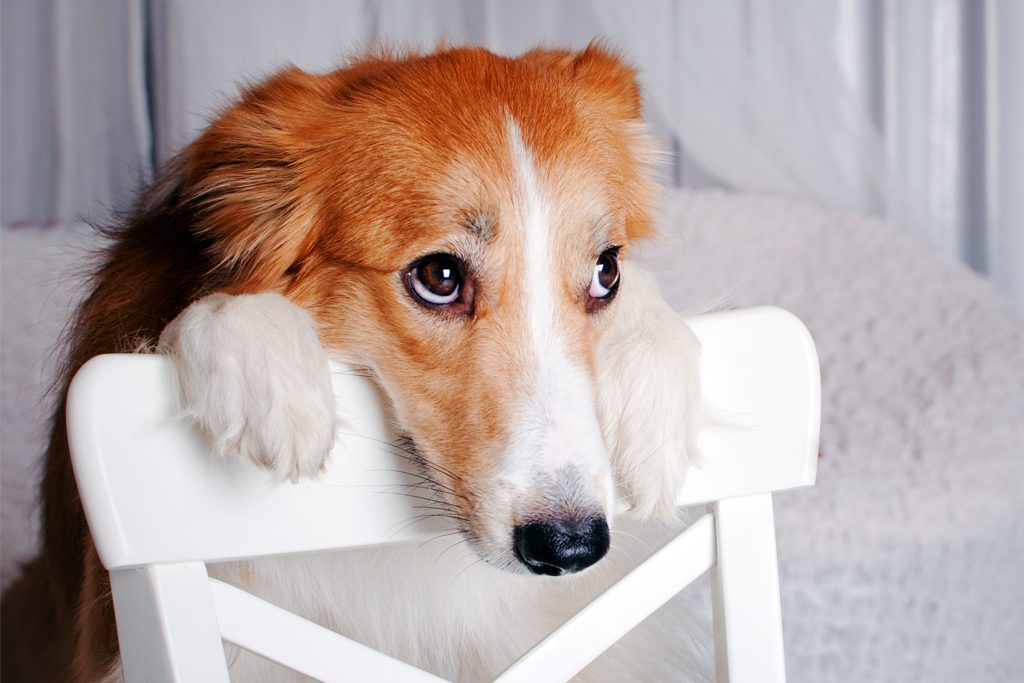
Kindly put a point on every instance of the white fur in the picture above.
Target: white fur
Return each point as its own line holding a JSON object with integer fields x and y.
{"x": 253, "y": 375}
{"x": 648, "y": 398}
{"x": 465, "y": 620}
{"x": 558, "y": 427}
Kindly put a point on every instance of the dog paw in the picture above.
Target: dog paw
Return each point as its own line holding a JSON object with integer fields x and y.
{"x": 253, "y": 375}
{"x": 648, "y": 401}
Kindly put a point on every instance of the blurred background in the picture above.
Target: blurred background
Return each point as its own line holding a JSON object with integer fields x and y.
{"x": 905, "y": 109}
{"x": 860, "y": 162}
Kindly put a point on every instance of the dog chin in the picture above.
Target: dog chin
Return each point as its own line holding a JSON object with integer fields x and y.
{"x": 490, "y": 551}
{"x": 546, "y": 548}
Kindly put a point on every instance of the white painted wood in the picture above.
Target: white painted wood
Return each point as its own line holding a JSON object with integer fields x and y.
{"x": 762, "y": 390}
{"x": 745, "y": 593}
{"x": 158, "y": 506}
{"x": 301, "y": 645}
{"x": 133, "y": 457}
{"x": 596, "y": 627}
{"x": 167, "y": 626}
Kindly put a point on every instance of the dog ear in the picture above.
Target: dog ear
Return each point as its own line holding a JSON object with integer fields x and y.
{"x": 605, "y": 78}
{"x": 240, "y": 184}
{"x": 604, "y": 73}
{"x": 608, "y": 90}
{"x": 649, "y": 397}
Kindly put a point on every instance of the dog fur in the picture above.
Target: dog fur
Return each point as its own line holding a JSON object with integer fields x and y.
{"x": 278, "y": 239}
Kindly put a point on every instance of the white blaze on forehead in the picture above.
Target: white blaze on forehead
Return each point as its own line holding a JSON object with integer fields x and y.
{"x": 559, "y": 428}
{"x": 535, "y": 214}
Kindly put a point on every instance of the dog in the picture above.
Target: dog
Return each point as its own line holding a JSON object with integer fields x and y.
{"x": 458, "y": 225}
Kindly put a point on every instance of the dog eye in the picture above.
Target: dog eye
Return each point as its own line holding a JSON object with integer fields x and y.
{"x": 605, "y": 280}
{"x": 436, "y": 279}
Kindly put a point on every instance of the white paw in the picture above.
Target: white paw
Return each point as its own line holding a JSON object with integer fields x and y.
{"x": 253, "y": 375}
{"x": 649, "y": 397}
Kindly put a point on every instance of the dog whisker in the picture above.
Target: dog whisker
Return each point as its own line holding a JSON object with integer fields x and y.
{"x": 463, "y": 571}
{"x": 439, "y": 537}
{"x": 423, "y": 498}
{"x": 412, "y": 521}
{"x": 407, "y": 473}
{"x": 645, "y": 544}
{"x": 459, "y": 542}
{"x": 355, "y": 372}
{"x": 409, "y": 453}
{"x": 447, "y": 511}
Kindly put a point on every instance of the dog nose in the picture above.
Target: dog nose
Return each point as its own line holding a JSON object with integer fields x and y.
{"x": 563, "y": 546}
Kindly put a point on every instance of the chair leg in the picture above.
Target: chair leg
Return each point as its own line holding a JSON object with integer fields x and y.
{"x": 745, "y": 590}
{"x": 167, "y": 624}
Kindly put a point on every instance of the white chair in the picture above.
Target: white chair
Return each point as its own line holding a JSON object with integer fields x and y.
{"x": 158, "y": 511}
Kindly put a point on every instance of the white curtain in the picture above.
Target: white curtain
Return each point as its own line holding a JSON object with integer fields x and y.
{"x": 954, "y": 127}
{"x": 75, "y": 123}
{"x": 910, "y": 109}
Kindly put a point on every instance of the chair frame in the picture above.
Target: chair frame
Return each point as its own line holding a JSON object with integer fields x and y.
{"x": 133, "y": 458}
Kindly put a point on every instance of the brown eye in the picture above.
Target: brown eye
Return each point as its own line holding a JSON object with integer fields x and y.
{"x": 436, "y": 280}
{"x": 606, "y": 277}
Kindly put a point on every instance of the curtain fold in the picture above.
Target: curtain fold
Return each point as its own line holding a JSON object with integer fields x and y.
{"x": 1004, "y": 147}
{"x": 910, "y": 110}
{"x": 953, "y": 121}
{"x": 75, "y": 126}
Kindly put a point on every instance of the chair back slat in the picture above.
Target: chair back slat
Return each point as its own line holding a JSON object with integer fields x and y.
{"x": 745, "y": 593}
{"x": 761, "y": 389}
{"x": 579, "y": 641}
{"x": 167, "y": 625}
{"x": 153, "y": 495}
{"x": 159, "y": 507}
{"x": 301, "y": 645}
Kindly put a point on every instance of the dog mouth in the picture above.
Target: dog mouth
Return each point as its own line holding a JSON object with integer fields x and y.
{"x": 550, "y": 545}
{"x": 435, "y": 488}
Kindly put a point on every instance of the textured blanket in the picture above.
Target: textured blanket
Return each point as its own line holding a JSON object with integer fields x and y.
{"x": 906, "y": 561}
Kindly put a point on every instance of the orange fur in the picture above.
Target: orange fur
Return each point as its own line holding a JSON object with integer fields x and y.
{"x": 325, "y": 188}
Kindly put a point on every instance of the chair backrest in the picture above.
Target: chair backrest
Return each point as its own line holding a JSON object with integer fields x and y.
{"x": 159, "y": 508}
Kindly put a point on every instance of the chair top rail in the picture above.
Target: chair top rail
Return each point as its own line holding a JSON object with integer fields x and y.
{"x": 152, "y": 493}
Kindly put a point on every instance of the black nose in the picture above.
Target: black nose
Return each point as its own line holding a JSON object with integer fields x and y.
{"x": 562, "y": 546}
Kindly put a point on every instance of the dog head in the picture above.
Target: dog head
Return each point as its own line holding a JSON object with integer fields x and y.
{"x": 455, "y": 224}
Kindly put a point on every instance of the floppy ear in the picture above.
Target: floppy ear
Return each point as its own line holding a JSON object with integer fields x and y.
{"x": 601, "y": 73}
{"x": 608, "y": 92}
{"x": 649, "y": 401}
{"x": 240, "y": 184}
